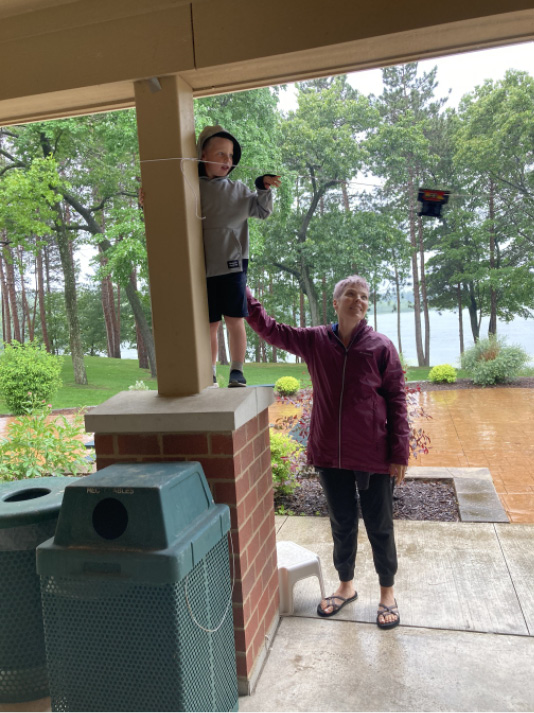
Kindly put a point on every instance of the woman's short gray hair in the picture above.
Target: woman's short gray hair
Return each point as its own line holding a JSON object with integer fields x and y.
{"x": 342, "y": 285}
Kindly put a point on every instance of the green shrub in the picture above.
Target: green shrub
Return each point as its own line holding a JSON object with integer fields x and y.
{"x": 443, "y": 374}
{"x": 39, "y": 445}
{"x": 491, "y": 361}
{"x": 28, "y": 369}
{"x": 285, "y": 455}
{"x": 287, "y": 385}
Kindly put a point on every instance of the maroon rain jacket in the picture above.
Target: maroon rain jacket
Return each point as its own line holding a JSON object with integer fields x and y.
{"x": 359, "y": 419}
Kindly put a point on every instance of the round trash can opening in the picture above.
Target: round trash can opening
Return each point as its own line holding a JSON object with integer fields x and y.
{"x": 29, "y": 494}
{"x": 110, "y": 518}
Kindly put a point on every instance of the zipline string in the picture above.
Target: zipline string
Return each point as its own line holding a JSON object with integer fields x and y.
{"x": 295, "y": 176}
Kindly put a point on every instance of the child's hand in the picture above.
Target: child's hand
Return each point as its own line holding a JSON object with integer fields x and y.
{"x": 271, "y": 181}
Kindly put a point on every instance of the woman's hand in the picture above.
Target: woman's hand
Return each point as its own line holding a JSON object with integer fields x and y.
{"x": 398, "y": 472}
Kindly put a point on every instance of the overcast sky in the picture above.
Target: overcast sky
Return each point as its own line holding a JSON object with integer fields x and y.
{"x": 461, "y": 72}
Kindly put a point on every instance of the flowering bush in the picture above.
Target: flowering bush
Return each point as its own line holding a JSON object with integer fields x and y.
{"x": 443, "y": 373}
{"x": 287, "y": 385}
{"x": 491, "y": 361}
{"x": 38, "y": 445}
{"x": 139, "y": 385}
{"x": 285, "y": 454}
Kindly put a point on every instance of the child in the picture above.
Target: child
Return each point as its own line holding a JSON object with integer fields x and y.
{"x": 226, "y": 207}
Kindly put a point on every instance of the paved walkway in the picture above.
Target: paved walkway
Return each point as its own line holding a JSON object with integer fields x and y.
{"x": 486, "y": 428}
{"x": 481, "y": 428}
{"x": 466, "y": 636}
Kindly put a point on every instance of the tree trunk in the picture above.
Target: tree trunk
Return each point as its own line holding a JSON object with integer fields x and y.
{"x": 26, "y": 312}
{"x": 473, "y": 316}
{"x": 302, "y": 310}
{"x": 460, "y": 317}
{"x": 415, "y": 272}
{"x": 141, "y": 349}
{"x": 12, "y": 294}
{"x": 398, "y": 298}
{"x": 71, "y": 304}
{"x": 144, "y": 327}
{"x": 375, "y": 312}
{"x": 424, "y": 293}
{"x": 309, "y": 288}
{"x": 222, "y": 355}
{"x": 47, "y": 293}
{"x": 294, "y": 311}
{"x": 6, "y": 312}
{"x": 110, "y": 314}
{"x": 492, "y": 327}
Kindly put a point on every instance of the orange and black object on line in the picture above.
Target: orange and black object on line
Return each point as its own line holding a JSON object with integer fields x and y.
{"x": 432, "y": 201}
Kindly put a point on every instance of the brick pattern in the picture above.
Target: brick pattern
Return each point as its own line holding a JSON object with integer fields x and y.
{"x": 237, "y": 466}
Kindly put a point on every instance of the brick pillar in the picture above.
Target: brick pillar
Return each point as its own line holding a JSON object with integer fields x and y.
{"x": 237, "y": 465}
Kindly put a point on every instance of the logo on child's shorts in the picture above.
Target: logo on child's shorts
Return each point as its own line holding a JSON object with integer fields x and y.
{"x": 232, "y": 263}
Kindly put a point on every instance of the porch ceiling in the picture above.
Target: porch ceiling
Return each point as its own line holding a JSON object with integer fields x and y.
{"x": 80, "y": 56}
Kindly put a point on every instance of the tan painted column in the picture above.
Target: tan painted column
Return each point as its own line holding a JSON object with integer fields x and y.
{"x": 165, "y": 125}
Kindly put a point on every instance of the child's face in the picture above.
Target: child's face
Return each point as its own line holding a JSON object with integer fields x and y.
{"x": 220, "y": 153}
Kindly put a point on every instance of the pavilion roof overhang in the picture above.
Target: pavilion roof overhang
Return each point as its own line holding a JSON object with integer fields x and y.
{"x": 77, "y": 57}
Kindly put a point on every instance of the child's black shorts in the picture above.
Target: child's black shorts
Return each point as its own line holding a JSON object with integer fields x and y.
{"x": 227, "y": 295}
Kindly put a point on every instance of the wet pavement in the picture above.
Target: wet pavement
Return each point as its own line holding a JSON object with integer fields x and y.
{"x": 492, "y": 429}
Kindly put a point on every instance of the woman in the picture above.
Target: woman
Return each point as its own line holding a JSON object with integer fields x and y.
{"x": 359, "y": 434}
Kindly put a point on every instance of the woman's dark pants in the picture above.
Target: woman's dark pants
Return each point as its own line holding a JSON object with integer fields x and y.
{"x": 341, "y": 491}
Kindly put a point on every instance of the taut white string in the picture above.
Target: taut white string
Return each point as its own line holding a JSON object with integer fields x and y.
{"x": 197, "y": 197}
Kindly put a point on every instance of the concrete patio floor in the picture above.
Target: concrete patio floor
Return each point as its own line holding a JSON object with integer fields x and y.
{"x": 466, "y": 640}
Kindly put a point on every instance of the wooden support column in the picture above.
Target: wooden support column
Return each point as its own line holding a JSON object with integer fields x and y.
{"x": 166, "y": 131}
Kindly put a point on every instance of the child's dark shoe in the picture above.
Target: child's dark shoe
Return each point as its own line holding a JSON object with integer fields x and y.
{"x": 236, "y": 379}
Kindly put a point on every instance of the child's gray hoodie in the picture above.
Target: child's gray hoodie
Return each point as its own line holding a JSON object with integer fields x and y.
{"x": 226, "y": 206}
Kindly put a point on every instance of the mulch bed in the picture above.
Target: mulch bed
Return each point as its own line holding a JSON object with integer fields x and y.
{"x": 416, "y": 499}
{"x": 522, "y": 382}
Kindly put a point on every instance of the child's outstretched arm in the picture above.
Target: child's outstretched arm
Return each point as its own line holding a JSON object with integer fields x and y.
{"x": 266, "y": 182}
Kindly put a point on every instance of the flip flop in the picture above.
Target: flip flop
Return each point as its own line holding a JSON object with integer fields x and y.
{"x": 384, "y": 611}
{"x": 332, "y": 603}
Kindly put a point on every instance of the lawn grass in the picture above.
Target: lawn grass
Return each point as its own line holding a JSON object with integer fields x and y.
{"x": 108, "y": 377}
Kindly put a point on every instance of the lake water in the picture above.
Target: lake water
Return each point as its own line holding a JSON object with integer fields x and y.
{"x": 444, "y": 339}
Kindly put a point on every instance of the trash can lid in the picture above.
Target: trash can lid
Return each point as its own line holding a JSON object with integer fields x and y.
{"x": 25, "y": 502}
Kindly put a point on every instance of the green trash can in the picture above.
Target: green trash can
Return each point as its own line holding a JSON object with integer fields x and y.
{"x": 28, "y": 515}
{"x": 136, "y": 593}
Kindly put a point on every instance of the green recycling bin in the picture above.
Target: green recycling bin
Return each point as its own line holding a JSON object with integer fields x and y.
{"x": 28, "y": 515}
{"x": 137, "y": 594}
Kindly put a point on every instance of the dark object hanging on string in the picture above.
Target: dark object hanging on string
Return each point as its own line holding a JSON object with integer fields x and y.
{"x": 432, "y": 201}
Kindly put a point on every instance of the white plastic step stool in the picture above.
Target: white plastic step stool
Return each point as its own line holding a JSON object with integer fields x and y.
{"x": 295, "y": 563}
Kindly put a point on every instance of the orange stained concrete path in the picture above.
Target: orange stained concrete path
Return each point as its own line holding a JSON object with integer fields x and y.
{"x": 479, "y": 428}
{"x": 485, "y": 428}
